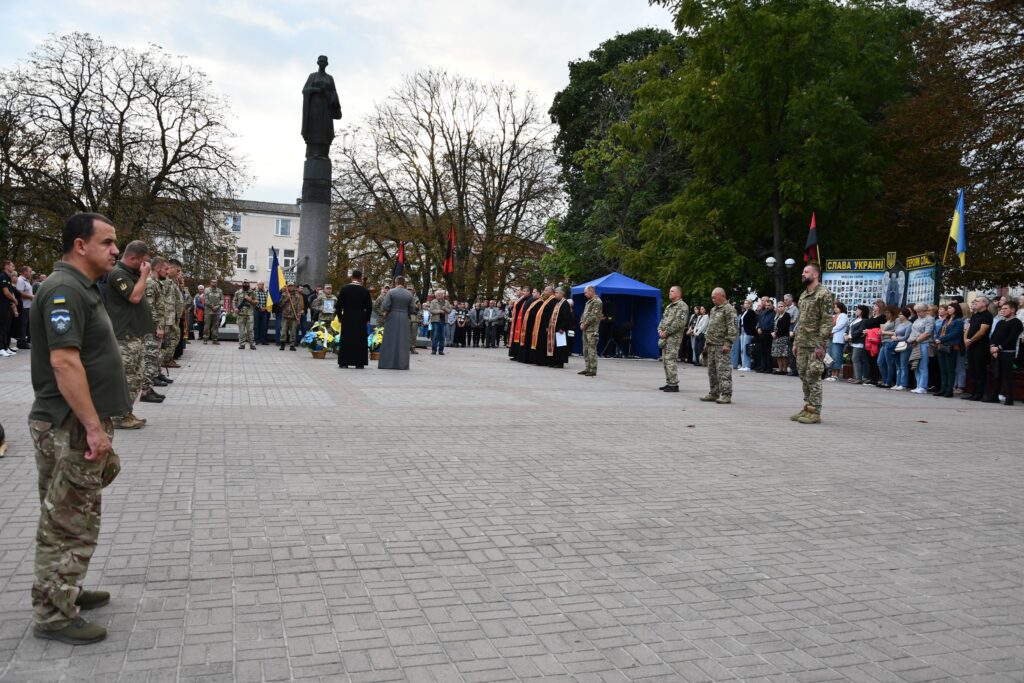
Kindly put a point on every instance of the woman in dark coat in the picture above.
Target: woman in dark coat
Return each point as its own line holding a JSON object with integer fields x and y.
{"x": 394, "y": 348}
{"x": 354, "y": 309}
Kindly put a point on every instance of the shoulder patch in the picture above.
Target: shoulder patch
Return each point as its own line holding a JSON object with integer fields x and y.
{"x": 122, "y": 285}
{"x": 60, "y": 320}
{"x": 59, "y": 299}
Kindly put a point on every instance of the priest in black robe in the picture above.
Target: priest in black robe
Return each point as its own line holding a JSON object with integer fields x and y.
{"x": 515, "y": 319}
{"x": 562, "y": 321}
{"x": 538, "y": 339}
{"x": 529, "y": 319}
{"x": 354, "y": 308}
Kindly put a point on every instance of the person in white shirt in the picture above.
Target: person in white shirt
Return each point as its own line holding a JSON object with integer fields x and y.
{"x": 24, "y": 287}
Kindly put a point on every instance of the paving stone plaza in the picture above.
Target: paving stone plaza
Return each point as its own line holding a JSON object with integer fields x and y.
{"x": 479, "y": 520}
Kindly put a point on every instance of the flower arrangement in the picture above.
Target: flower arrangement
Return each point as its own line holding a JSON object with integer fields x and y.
{"x": 320, "y": 338}
{"x": 375, "y": 339}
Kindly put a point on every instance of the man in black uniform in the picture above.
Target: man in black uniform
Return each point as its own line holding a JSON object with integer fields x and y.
{"x": 79, "y": 384}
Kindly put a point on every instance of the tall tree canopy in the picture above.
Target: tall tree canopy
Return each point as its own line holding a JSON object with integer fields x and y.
{"x": 137, "y": 135}
{"x": 444, "y": 150}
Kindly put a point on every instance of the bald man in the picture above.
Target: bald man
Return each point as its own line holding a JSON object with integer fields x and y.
{"x": 720, "y": 335}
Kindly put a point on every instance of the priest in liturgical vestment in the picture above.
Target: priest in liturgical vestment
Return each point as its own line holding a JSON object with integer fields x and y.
{"x": 538, "y": 335}
{"x": 526, "y": 329}
{"x": 515, "y": 320}
{"x": 562, "y": 321}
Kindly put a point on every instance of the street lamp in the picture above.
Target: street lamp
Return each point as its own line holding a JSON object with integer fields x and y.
{"x": 779, "y": 275}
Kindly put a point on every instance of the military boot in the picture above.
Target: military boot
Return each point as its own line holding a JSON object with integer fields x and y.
{"x": 78, "y": 632}
{"x": 92, "y": 599}
{"x": 797, "y": 416}
{"x": 128, "y": 422}
{"x": 709, "y": 398}
{"x": 582, "y": 372}
{"x": 811, "y": 417}
{"x": 724, "y": 400}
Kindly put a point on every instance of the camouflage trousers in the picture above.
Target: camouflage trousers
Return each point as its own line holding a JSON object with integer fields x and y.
{"x": 172, "y": 335}
{"x": 670, "y": 358}
{"x": 413, "y": 332}
{"x": 133, "y": 355}
{"x": 590, "y": 350}
{"x": 69, "y": 522}
{"x": 289, "y": 332}
{"x": 244, "y": 329}
{"x": 810, "y": 369}
{"x": 211, "y": 324}
{"x": 719, "y": 371}
{"x": 151, "y": 350}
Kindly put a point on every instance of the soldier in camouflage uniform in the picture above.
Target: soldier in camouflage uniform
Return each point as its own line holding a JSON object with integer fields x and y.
{"x": 317, "y": 307}
{"x": 70, "y": 328}
{"x": 670, "y": 332}
{"x": 153, "y": 339}
{"x": 213, "y": 300}
{"x": 132, "y": 320}
{"x": 244, "y": 303}
{"x": 290, "y": 308}
{"x": 720, "y": 335}
{"x": 590, "y": 323}
{"x": 172, "y": 307}
{"x": 378, "y": 305}
{"x": 811, "y": 339}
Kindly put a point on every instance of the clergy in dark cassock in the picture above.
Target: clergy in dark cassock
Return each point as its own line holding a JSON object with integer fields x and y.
{"x": 529, "y": 323}
{"x": 515, "y": 317}
{"x": 354, "y": 308}
{"x": 394, "y": 348}
{"x": 539, "y": 333}
{"x": 562, "y": 321}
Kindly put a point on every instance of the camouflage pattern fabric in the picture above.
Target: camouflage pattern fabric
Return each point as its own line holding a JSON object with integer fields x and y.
{"x": 670, "y": 359}
{"x": 69, "y": 522}
{"x": 289, "y": 331}
{"x": 719, "y": 371}
{"x": 590, "y": 349}
{"x": 810, "y": 369}
{"x": 151, "y": 358}
{"x": 133, "y": 355}
{"x": 172, "y": 335}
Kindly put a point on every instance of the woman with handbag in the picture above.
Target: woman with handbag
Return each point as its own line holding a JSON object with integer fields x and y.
{"x": 856, "y": 336}
{"x": 901, "y": 335}
{"x": 886, "y": 353}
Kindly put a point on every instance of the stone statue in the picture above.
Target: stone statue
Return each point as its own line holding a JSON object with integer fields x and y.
{"x": 320, "y": 106}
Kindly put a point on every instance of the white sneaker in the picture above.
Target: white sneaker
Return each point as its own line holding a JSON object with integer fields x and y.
{"x": 899, "y": 388}
{"x": 12, "y": 352}
{"x": 4, "y": 353}
{"x": 744, "y": 369}
{"x": 919, "y": 390}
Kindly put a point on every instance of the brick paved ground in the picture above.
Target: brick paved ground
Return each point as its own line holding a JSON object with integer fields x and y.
{"x": 478, "y": 520}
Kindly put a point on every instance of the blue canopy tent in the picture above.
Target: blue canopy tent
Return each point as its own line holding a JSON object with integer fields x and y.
{"x": 634, "y": 309}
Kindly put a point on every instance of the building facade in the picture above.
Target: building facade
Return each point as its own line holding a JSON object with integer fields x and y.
{"x": 258, "y": 227}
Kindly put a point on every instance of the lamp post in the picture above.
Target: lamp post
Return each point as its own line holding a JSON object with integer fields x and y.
{"x": 779, "y": 272}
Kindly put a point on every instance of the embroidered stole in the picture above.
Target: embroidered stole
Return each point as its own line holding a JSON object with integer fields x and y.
{"x": 525, "y": 316}
{"x": 551, "y": 328}
{"x": 536, "y": 327}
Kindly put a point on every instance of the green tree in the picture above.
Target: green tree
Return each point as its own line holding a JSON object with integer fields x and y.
{"x": 775, "y": 105}
{"x": 612, "y": 178}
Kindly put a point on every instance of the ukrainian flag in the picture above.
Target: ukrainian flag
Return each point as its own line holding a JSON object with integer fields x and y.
{"x": 957, "y": 233}
{"x": 277, "y": 283}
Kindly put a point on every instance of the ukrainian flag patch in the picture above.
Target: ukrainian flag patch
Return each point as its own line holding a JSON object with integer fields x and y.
{"x": 58, "y": 300}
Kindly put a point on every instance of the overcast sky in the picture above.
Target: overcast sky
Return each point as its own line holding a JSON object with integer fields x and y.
{"x": 258, "y": 54}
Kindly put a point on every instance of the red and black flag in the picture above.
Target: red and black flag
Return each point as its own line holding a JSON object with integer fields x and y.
{"x": 449, "y": 260}
{"x": 811, "y": 250}
{"x": 400, "y": 263}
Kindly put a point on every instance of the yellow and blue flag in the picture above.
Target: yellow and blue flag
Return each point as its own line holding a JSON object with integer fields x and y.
{"x": 957, "y": 231}
{"x": 277, "y": 283}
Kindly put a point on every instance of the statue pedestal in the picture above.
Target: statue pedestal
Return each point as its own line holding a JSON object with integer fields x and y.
{"x": 314, "y": 222}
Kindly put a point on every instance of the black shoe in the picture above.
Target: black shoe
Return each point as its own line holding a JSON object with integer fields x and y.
{"x": 990, "y": 400}
{"x": 290, "y": 348}
{"x": 1008, "y": 402}
{"x": 160, "y": 383}
{"x": 166, "y": 379}
{"x": 281, "y": 347}
{"x": 152, "y": 397}
{"x": 434, "y": 353}
{"x": 671, "y": 388}
{"x": 440, "y": 353}
{"x": 973, "y": 398}
{"x": 342, "y": 366}
{"x": 359, "y": 367}
{"x": 664, "y": 387}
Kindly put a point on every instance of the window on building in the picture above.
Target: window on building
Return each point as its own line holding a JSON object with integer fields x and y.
{"x": 288, "y": 259}
{"x": 283, "y": 227}
{"x": 241, "y": 258}
{"x": 235, "y": 223}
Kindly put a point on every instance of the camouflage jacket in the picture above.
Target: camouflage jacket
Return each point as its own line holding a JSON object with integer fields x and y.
{"x": 154, "y": 297}
{"x": 290, "y": 306}
{"x": 213, "y": 299}
{"x": 673, "y": 321}
{"x": 722, "y": 327}
{"x": 244, "y": 303}
{"x": 815, "y": 327}
{"x": 592, "y": 314}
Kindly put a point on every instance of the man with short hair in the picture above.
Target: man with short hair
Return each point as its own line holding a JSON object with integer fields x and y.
{"x": 290, "y": 308}
{"x": 590, "y": 322}
{"x": 132, "y": 320}
{"x": 79, "y": 384}
{"x": 812, "y": 337}
{"x": 10, "y": 309}
{"x": 493, "y": 318}
{"x": 976, "y": 340}
{"x": 1003, "y": 347}
{"x": 173, "y": 307}
{"x": 152, "y": 341}
{"x": 439, "y": 310}
{"x": 719, "y": 337}
{"x": 244, "y": 301}
{"x": 325, "y": 306}
{"x": 670, "y": 334}
{"x": 794, "y": 321}
{"x": 213, "y": 300}
{"x": 261, "y": 316}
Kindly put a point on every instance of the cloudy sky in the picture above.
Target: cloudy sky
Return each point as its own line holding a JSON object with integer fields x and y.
{"x": 258, "y": 54}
